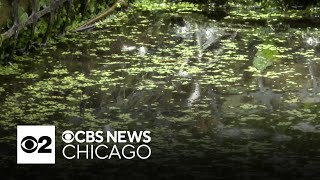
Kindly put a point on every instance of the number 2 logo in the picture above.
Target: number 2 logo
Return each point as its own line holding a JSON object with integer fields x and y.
{"x": 29, "y": 144}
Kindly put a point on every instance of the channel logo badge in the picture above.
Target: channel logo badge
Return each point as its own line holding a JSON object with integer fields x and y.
{"x": 35, "y": 144}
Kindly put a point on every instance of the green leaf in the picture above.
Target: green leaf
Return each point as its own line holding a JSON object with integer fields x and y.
{"x": 265, "y": 57}
{"x": 23, "y": 16}
{"x": 43, "y": 4}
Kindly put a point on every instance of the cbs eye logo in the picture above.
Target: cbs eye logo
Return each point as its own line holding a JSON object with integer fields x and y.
{"x": 29, "y": 144}
{"x": 67, "y": 136}
{"x": 35, "y": 144}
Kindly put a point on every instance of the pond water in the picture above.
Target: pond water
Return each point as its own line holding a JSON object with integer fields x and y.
{"x": 225, "y": 93}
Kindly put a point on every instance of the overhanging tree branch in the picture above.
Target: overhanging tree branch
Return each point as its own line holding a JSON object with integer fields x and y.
{"x": 19, "y": 26}
{"x": 89, "y": 24}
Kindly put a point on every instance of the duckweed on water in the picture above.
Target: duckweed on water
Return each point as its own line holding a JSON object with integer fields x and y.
{"x": 178, "y": 7}
{"x": 230, "y": 87}
{"x": 13, "y": 69}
